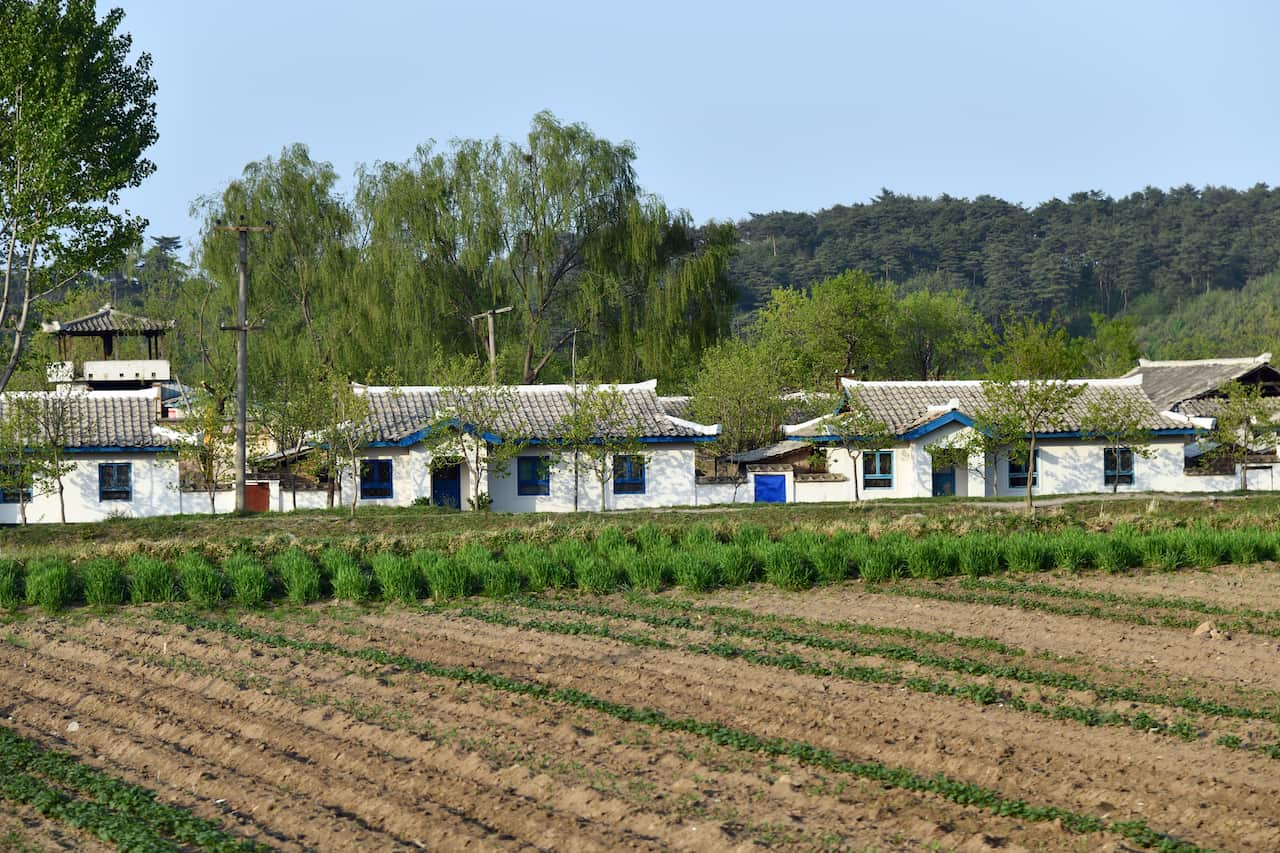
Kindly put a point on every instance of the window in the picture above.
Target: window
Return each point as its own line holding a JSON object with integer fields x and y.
{"x": 533, "y": 475}
{"x": 115, "y": 481}
{"x": 628, "y": 475}
{"x": 1018, "y": 472}
{"x": 375, "y": 479}
{"x": 11, "y": 476}
{"x": 1117, "y": 466}
{"x": 877, "y": 469}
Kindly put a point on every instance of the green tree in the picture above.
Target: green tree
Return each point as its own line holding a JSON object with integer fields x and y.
{"x": 18, "y": 466}
{"x": 59, "y": 418}
{"x": 937, "y": 334}
{"x": 206, "y": 443}
{"x": 345, "y": 429}
{"x": 472, "y": 411}
{"x": 1241, "y": 422}
{"x": 1113, "y": 349}
{"x": 856, "y": 430}
{"x": 597, "y": 431}
{"x": 1117, "y": 420}
{"x": 1027, "y": 392}
{"x": 739, "y": 387}
{"x": 75, "y": 118}
{"x": 557, "y": 226}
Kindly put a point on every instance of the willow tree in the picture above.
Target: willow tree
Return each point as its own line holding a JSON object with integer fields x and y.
{"x": 301, "y": 269}
{"x": 557, "y": 226}
{"x": 76, "y": 116}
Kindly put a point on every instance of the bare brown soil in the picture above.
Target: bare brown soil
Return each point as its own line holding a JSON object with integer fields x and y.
{"x": 1249, "y": 587}
{"x": 320, "y": 750}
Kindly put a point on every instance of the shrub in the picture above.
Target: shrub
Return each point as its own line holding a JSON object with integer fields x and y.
{"x": 883, "y": 560}
{"x": 201, "y": 581}
{"x": 651, "y": 537}
{"x": 787, "y": 565}
{"x": 1074, "y": 550}
{"x": 104, "y": 582}
{"x": 247, "y": 578}
{"x": 51, "y": 583}
{"x": 596, "y": 574}
{"x": 980, "y": 554}
{"x": 932, "y": 557}
{"x": 539, "y": 570}
{"x": 11, "y": 595}
{"x": 737, "y": 565}
{"x": 1027, "y": 552}
{"x": 695, "y": 567}
{"x": 350, "y": 581}
{"x": 398, "y": 577}
{"x": 151, "y": 579}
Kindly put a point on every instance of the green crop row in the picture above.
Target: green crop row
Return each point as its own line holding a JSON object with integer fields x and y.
{"x": 964, "y": 793}
{"x": 113, "y": 810}
{"x": 645, "y": 559}
{"x": 749, "y": 627}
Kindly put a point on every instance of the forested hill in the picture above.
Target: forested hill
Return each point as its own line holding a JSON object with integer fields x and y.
{"x": 1089, "y": 253}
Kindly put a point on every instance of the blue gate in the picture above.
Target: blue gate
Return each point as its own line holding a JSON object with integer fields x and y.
{"x": 771, "y": 488}
{"x": 446, "y": 486}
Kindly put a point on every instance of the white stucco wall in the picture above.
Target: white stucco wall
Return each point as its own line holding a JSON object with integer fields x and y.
{"x": 817, "y": 491}
{"x": 906, "y": 477}
{"x": 708, "y": 494}
{"x": 155, "y": 491}
{"x": 669, "y": 481}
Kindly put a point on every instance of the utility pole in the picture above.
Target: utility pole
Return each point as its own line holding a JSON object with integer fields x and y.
{"x": 493, "y": 341}
{"x": 242, "y": 349}
{"x": 573, "y": 362}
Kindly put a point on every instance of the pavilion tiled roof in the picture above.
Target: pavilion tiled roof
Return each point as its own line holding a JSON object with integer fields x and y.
{"x": 106, "y": 320}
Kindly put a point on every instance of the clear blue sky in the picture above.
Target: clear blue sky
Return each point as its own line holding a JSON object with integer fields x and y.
{"x": 734, "y": 107}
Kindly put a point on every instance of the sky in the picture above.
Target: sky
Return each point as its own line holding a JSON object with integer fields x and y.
{"x": 734, "y": 108}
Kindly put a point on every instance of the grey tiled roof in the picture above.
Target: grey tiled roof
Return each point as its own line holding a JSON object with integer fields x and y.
{"x": 108, "y": 319}
{"x": 1169, "y": 383}
{"x": 530, "y": 412}
{"x": 677, "y": 406}
{"x": 770, "y": 451}
{"x": 99, "y": 420}
{"x": 903, "y": 406}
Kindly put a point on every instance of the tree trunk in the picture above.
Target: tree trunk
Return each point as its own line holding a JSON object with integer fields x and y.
{"x": 856, "y": 459}
{"x": 1032, "y": 474}
{"x": 213, "y": 507}
{"x": 62, "y": 503}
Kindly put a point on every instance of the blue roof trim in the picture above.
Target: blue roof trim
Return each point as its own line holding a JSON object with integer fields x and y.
{"x": 112, "y": 448}
{"x": 951, "y": 417}
{"x": 652, "y": 439}
{"x": 418, "y": 435}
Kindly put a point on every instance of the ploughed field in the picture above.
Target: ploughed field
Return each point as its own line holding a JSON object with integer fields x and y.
{"x": 1026, "y": 711}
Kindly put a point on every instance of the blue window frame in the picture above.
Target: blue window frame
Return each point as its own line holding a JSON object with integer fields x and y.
{"x": 375, "y": 479}
{"x": 628, "y": 475}
{"x": 1018, "y": 472}
{"x": 877, "y": 469}
{"x": 533, "y": 475}
{"x": 1117, "y": 466}
{"x": 11, "y": 476}
{"x": 115, "y": 481}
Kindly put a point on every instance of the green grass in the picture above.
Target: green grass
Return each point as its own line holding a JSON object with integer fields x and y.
{"x": 11, "y": 592}
{"x": 400, "y": 578}
{"x": 248, "y": 579}
{"x": 105, "y": 583}
{"x": 151, "y": 579}
{"x": 52, "y": 584}
{"x": 299, "y": 575}
{"x": 201, "y": 581}
{"x": 349, "y": 580}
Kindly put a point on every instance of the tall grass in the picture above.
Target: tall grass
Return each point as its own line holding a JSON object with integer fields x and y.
{"x": 538, "y": 567}
{"x": 248, "y": 579}
{"x": 399, "y": 579}
{"x": 738, "y": 565}
{"x": 52, "y": 584}
{"x": 151, "y": 579}
{"x": 787, "y": 565}
{"x": 201, "y": 581}
{"x": 595, "y": 574}
{"x": 11, "y": 593}
{"x": 980, "y": 554}
{"x": 651, "y": 537}
{"x": 933, "y": 557}
{"x": 884, "y": 559}
{"x": 104, "y": 582}
{"x": 1119, "y": 551}
{"x": 347, "y": 577}
{"x": 696, "y": 567}
{"x": 1074, "y": 550}
{"x": 651, "y": 569}
{"x": 497, "y": 578}
{"x": 299, "y": 575}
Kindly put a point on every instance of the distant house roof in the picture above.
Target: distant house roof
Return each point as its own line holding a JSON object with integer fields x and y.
{"x": 532, "y": 412}
{"x": 105, "y": 421}
{"x": 908, "y": 406}
{"x": 107, "y": 320}
{"x": 777, "y": 450}
{"x": 1171, "y": 383}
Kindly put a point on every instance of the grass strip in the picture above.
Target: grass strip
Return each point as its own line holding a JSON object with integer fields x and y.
{"x": 1242, "y": 615}
{"x": 118, "y": 812}
{"x": 979, "y": 693}
{"x": 963, "y": 793}
{"x": 893, "y": 651}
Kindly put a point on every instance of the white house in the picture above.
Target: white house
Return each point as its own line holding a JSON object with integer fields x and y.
{"x": 398, "y": 465}
{"x": 120, "y": 464}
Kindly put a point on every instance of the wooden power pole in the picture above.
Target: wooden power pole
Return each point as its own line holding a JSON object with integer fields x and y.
{"x": 242, "y": 350}
{"x": 493, "y": 345}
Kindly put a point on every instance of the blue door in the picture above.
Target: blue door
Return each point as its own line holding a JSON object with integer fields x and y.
{"x": 944, "y": 482}
{"x": 446, "y": 486}
{"x": 771, "y": 488}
